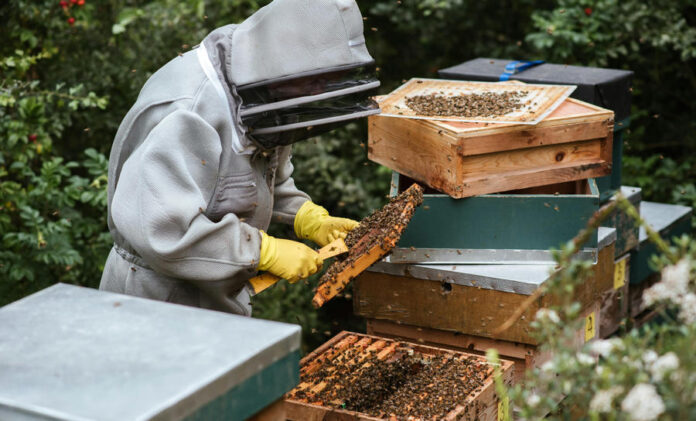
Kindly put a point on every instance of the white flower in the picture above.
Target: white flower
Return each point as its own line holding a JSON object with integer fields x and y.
{"x": 650, "y": 356}
{"x": 602, "y": 347}
{"x": 673, "y": 287}
{"x": 567, "y": 386}
{"x": 548, "y": 314}
{"x": 602, "y": 400}
{"x": 662, "y": 365}
{"x": 533, "y": 400}
{"x": 643, "y": 403}
{"x": 548, "y": 366}
{"x": 584, "y": 359}
{"x": 687, "y": 311}
{"x": 656, "y": 293}
{"x": 676, "y": 277}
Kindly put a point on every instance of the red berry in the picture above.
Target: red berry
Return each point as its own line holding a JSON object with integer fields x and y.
{"x": 63, "y": 3}
{"x": 73, "y": 1}
{"x": 80, "y": 2}
{"x": 32, "y": 137}
{"x": 588, "y": 11}
{"x": 71, "y": 21}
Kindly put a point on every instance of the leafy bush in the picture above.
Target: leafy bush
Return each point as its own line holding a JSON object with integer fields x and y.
{"x": 51, "y": 210}
{"x": 646, "y": 374}
{"x": 70, "y": 70}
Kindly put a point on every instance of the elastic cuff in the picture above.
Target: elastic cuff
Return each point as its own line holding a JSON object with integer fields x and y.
{"x": 268, "y": 253}
{"x": 306, "y": 219}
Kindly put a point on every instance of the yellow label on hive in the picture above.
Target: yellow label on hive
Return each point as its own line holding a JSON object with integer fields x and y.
{"x": 590, "y": 326}
{"x": 504, "y": 409}
{"x": 620, "y": 274}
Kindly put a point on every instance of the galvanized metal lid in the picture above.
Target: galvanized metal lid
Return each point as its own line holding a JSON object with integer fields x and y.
{"x": 661, "y": 216}
{"x": 76, "y": 353}
{"x": 518, "y": 279}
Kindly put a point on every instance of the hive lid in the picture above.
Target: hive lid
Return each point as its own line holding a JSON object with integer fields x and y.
{"x": 518, "y": 279}
{"x": 661, "y": 216}
{"x": 76, "y": 353}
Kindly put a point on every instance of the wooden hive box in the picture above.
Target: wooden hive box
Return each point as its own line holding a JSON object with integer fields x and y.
{"x": 615, "y": 301}
{"x": 466, "y": 159}
{"x": 608, "y": 88}
{"x": 472, "y": 299}
{"x": 517, "y": 227}
{"x": 344, "y": 360}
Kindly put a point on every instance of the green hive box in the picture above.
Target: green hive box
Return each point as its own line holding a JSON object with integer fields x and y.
{"x": 668, "y": 220}
{"x": 74, "y": 353}
{"x": 627, "y": 232}
{"x": 512, "y": 228}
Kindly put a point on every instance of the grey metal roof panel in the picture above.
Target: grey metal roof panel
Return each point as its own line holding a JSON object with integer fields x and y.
{"x": 661, "y": 216}
{"x": 519, "y": 279}
{"x": 76, "y": 353}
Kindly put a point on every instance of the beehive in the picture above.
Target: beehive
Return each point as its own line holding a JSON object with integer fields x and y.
{"x": 466, "y": 159}
{"x": 471, "y": 299}
{"x": 363, "y": 377}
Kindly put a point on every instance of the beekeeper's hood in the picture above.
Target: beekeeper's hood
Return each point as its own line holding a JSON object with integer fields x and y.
{"x": 296, "y": 68}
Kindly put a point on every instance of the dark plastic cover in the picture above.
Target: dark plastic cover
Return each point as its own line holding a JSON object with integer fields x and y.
{"x": 607, "y": 88}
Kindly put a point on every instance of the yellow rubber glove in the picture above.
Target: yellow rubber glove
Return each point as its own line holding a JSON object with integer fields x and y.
{"x": 288, "y": 259}
{"x": 313, "y": 222}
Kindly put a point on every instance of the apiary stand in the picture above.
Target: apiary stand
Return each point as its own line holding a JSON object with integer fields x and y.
{"x": 75, "y": 353}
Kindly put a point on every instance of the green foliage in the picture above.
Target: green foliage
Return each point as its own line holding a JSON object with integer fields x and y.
{"x": 51, "y": 210}
{"x": 657, "y": 40}
{"x": 70, "y": 84}
{"x": 645, "y": 374}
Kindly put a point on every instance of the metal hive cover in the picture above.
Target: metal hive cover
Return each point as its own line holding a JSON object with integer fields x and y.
{"x": 541, "y": 100}
{"x": 75, "y": 353}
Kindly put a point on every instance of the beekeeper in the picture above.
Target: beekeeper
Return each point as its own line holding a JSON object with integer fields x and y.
{"x": 201, "y": 163}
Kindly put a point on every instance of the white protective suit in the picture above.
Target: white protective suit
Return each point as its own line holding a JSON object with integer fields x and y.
{"x": 188, "y": 189}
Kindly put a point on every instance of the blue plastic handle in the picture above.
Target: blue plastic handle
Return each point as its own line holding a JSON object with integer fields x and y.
{"x": 515, "y": 67}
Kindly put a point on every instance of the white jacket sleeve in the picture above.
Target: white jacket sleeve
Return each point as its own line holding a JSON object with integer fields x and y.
{"x": 287, "y": 198}
{"x": 158, "y": 206}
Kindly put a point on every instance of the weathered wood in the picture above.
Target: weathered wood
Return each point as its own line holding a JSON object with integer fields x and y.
{"x": 329, "y": 288}
{"x": 524, "y": 356}
{"x": 466, "y": 309}
{"x": 467, "y": 159}
{"x": 615, "y": 301}
{"x": 480, "y": 405}
{"x": 627, "y": 231}
{"x": 273, "y": 412}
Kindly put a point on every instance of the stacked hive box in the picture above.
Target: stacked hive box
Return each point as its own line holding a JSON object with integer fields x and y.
{"x": 463, "y": 265}
{"x": 74, "y": 353}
